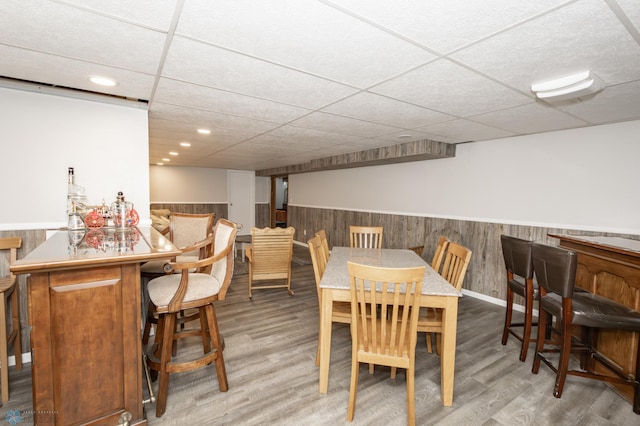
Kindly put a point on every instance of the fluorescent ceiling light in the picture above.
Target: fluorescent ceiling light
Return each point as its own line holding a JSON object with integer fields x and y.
{"x": 103, "y": 81}
{"x": 568, "y": 87}
{"x": 204, "y": 131}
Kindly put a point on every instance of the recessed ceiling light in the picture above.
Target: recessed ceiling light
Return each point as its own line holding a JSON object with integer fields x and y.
{"x": 404, "y": 136}
{"x": 187, "y": 144}
{"x": 103, "y": 81}
{"x": 166, "y": 159}
{"x": 204, "y": 131}
{"x": 159, "y": 164}
{"x": 173, "y": 153}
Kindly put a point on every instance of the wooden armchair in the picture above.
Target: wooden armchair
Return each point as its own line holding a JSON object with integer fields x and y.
{"x": 194, "y": 285}
{"x": 270, "y": 257}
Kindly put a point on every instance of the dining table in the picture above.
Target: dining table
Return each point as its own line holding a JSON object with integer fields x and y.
{"x": 437, "y": 292}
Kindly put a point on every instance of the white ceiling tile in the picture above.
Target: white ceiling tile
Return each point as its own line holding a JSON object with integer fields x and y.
{"x": 208, "y": 118}
{"x": 338, "y": 124}
{"x": 582, "y": 35}
{"x": 59, "y": 29}
{"x": 465, "y": 131}
{"x": 153, "y": 13}
{"x": 444, "y": 25}
{"x": 206, "y": 98}
{"x": 210, "y": 66}
{"x": 616, "y": 103}
{"x": 447, "y": 87}
{"x": 529, "y": 118}
{"x": 379, "y": 109}
{"x": 316, "y": 38}
{"x": 631, "y": 8}
{"x": 28, "y": 65}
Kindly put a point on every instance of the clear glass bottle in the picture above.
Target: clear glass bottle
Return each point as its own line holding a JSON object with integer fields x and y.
{"x": 75, "y": 220}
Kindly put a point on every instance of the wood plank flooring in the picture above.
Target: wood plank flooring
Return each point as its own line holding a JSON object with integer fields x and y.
{"x": 270, "y": 352}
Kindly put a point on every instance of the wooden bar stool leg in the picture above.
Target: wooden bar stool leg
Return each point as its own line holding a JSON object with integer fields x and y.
{"x": 4, "y": 368}
{"x": 165, "y": 357}
{"x": 217, "y": 345}
{"x": 565, "y": 351}
{"x": 15, "y": 326}
{"x": 507, "y": 316}
{"x": 206, "y": 346}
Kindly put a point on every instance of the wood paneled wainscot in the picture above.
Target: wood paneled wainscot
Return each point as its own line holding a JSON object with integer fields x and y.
{"x": 84, "y": 312}
{"x": 610, "y": 267}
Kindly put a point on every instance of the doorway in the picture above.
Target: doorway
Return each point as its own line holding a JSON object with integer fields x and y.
{"x": 279, "y": 201}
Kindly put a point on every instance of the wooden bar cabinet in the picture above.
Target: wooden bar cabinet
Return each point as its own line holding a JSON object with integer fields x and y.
{"x": 84, "y": 313}
{"x": 610, "y": 267}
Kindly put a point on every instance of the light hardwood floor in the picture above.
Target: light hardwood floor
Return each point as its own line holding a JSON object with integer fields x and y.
{"x": 270, "y": 352}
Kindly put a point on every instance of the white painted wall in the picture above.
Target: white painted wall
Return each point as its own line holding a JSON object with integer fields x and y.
{"x": 577, "y": 179}
{"x": 195, "y": 185}
{"x": 42, "y": 134}
{"x": 189, "y": 185}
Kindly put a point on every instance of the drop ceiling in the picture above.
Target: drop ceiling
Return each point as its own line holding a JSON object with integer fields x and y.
{"x": 284, "y": 82}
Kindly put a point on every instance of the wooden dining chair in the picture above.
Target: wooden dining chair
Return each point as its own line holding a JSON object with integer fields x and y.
{"x": 194, "y": 285}
{"x": 436, "y": 264}
{"x": 341, "y": 310}
{"x": 365, "y": 236}
{"x": 438, "y": 255}
{"x": 11, "y": 297}
{"x": 325, "y": 243}
{"x": 455, "y": 266}
{"x": 386, "y": 335}
{"x": 270, "y": 257}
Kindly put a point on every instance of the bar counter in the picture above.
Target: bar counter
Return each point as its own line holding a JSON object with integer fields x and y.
{"x": 84, "y": 313}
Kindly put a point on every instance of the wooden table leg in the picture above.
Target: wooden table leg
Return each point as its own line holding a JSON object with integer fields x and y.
{"x": 326, "y": 313}
{"x": 448, "y": 354}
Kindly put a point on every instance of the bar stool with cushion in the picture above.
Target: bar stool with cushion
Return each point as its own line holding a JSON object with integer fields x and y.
{"x": 186, "y": 231}
{"x": 517, "y": 259}
{"x": 199, "y": 289}
{"x": 11, "y": 296}
{"x": 555, "y": 271}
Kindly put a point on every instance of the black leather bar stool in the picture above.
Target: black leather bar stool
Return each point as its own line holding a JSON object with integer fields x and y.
{"x": 517, "y": 259}
{"x": 555, "y": 271}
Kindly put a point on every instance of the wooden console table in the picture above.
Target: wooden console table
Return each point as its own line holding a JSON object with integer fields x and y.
{"x": 610, "y": 267}
{"x": 84, "y": 312}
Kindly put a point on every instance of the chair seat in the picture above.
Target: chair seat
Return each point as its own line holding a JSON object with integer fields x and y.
{"x": 519, "y": 287}
{"x": 591, "y": 310}
{"x": 201, "y": 286}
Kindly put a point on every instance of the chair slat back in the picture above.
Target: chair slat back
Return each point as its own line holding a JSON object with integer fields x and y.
{"x": 455, "y": 265}
{"x": 12, "y": 244}
{"x": 438, "y": 255}
{"x": 365, "y": 236}
{"x": 325, "y": 243}
{"x": 272, "y": 250}
{"x": 317, "y": 260}
{"x": 391, "y": 331}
